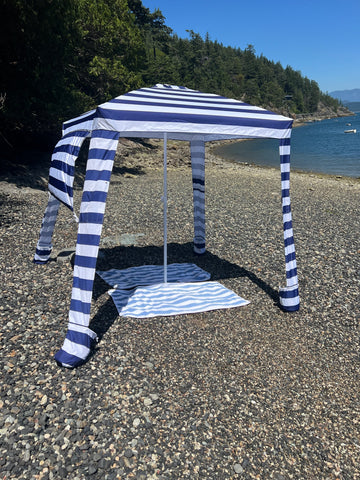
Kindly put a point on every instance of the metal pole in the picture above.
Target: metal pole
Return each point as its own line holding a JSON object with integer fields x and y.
{"x": 165, "y": 207}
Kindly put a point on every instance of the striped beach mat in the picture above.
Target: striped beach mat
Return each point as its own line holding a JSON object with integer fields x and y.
{"x": 166, "y": 299}
{"x": 140, "y": 292}
{"x": 151, "y": 274}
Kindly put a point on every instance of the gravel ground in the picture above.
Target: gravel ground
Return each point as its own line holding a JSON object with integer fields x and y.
{"x": 244, "y": 393}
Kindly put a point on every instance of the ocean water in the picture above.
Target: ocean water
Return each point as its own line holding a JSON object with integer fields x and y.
{"x": 320, "y": 147}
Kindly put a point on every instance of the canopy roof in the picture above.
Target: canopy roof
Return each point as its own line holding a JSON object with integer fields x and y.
{"x": 184, "y": 114}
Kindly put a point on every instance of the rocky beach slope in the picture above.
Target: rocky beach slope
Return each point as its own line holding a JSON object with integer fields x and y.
{"x": 244, "y": 393}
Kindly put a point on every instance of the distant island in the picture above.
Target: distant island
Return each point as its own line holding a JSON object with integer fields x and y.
{"x": 349, "y": 98}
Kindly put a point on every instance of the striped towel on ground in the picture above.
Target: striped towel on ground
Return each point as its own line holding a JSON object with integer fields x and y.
{"x": 152, "y": 274}
{"x": 174, "y": 299}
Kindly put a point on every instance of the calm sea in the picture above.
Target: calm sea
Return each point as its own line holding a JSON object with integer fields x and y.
{"x": 315, "y": 147}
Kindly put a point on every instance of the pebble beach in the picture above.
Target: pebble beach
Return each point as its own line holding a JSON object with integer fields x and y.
{"x": 243, "y": 393}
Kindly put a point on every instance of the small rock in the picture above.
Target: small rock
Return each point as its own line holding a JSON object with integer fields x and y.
{"x": 10, "y": 419}
{"x": 136, "y": 422}
{"x": 238, "y": 468}
{"x": 97, "y": 457}
{"x": 128, "y": 453}
{"x": 26, "y": 455}
{"x": 92, "y": 469}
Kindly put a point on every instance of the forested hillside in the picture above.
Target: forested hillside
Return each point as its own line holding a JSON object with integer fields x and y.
{"x": 60, "y": 58}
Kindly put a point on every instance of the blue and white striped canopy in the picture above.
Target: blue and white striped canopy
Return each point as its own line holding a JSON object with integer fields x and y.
{"x": 162, "y": 111}
{"x": 184, "y": 114}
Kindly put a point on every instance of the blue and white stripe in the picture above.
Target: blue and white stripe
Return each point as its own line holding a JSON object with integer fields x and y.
{"x": 151, "y": 274}
{"x": 188, "y": 114}
{"x": 102, "y": 151}
{"x": 44, "y": 245}
{"x": 62, "y": 167}
{"x": 289, "y": 295}
{"x": 84, "y": 122}
{"x": 197, "y": 148}
{"x": 162, "y": 111}
{"x": 166, "y": 299}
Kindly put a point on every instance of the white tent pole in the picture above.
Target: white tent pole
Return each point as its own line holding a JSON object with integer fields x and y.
{"x": 165, "y": 207}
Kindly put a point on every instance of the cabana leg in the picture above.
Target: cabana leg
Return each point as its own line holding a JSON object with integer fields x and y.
{"x": 197, "y": 148}
{"x": 61, "y": 179}
{"x": 80, "y": 337}
{"x": 44, "y": 245}
{"x": 289, "y": 295}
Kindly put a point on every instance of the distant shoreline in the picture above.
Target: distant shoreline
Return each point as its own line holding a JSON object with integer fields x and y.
{"x": 246, "y": 155}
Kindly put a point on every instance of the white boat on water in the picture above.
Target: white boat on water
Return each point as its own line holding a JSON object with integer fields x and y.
{"x": 352, "y": 130}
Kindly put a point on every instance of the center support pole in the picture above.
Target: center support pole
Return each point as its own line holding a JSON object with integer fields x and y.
{"x": 165, "y": 207}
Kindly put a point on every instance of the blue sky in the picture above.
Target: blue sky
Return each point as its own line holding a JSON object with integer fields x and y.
{"x": 320, "y": 38}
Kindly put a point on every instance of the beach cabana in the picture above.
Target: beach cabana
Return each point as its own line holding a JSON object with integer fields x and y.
{"x": 165, "y": 112}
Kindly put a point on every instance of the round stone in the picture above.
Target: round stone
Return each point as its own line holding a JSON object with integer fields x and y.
{"x": 238, "y": 468}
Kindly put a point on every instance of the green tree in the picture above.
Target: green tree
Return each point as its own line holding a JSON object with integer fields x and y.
{"x": 110, "y": 52}
{"x": 35, "y": 46}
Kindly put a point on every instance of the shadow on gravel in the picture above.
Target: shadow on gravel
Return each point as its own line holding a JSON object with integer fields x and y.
{"x": 131, "y": 256}
{"x": 10, "y": 210}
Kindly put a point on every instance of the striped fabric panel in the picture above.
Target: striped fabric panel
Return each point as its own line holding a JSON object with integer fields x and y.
{"x": 102, "y": 151}
{"x": 83, "y": 122}
{"x": 185, "y": 126}
{"x": 170, "y": 113}
{"x": 186, "y": 107}
{"x": 151, "y": 274}
{"x": 174, "y": 96}
{"x": 187, "y": 104}
{"x": 76, "y": 347}
{"x": 44, "y": 245}
{"x": 173, "y": 109}
{"x": 174, "y": 299}
{"x": 197, "y": 148}
{"x": 61, "y": 176}
{"x": 289, "y": 295}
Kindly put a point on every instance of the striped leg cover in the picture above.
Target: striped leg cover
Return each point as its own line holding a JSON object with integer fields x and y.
{"x": 61, "y": 176}
{"x": 80, "y": 337}
{"x": 289, "y": 296}
{"x": 44, "y": 245}
{"x": 61, "y": 179}
{"x": 197, "y": 148}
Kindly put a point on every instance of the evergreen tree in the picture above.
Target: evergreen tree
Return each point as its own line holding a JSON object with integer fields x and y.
{"x": 35, "y": 48}
{"x": 59, "y": 58}
{"x": 110, "y": 52}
